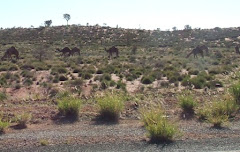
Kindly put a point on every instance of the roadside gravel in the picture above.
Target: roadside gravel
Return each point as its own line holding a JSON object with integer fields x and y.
{"x": 128, "y": 135}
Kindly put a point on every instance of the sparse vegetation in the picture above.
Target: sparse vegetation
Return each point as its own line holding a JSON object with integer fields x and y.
{"x": 3, "y": 125}
{"x": 69, "y": 106}
{"x": 110, "y": 106}
{"x": 23, "y": 119}
{"x": 158, "y": 127}
{"x": 187, "y": 103}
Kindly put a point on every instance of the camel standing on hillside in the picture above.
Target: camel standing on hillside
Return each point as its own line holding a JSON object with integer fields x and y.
{"x": 64, "y": 51}
{"x": 198, "y": 50}
{"x": 237, "y": 49}
{"x": 203, "y": 47}
{"x": 9, "y": 52}
{"x": 195, "y": 52}
{"x": 75, "y": 50}
{"x": 111, "y": 51}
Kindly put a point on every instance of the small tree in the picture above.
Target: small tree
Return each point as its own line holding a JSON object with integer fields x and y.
{"x": 40, "y": 52}
{"x": 48, "y": 23}
{"x": 67, "y": 17}
{"x": 187, "y": 27}
{"x": 174, "y": 28}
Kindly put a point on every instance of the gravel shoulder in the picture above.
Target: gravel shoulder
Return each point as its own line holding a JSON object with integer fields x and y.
{"x": 125, "y": 136}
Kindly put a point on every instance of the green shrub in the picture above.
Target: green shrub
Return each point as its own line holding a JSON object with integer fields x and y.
{"x": 193, "y": 72}
{"x": 58, "y": 70}
{"x": 17, "y": 86}
{"x": 87, "y": 76}
{"x": 110, "y": 106}
{"x": 27, "y": 82}
{"x": 187, "y": 103}
{"x": 23, "y": 119}
{"x": 198, "y": 82}
{"x": 220, "y": 111}
{"x": 121, "y": 85}
{"x": 69, "y": 106}
{"x": 147, "y": 79}
{"x": 27, "y": 74}
{"x": 106, "y": 77}
{"x": 158, "y": 127}
{"x": 3, "y": 96}
{"x": 44, "y": 142}
{"x": 63, "y": 78}
{"x": 3, "y": 125}
{"x": 235, "y": 91}
{"x": 99, "y": 71}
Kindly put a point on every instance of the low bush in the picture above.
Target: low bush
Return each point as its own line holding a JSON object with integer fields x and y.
{"x": 187, "y": 103}
{"x": 63, "y": 78}
{"x": 147, "y": 80}
{"x": 69, "y": 106}
{"x": 110, "y": 106}
{"x": 3, "y": 96}
{"x": 158, "y": 127}
{"x": 23, "y": 119}
{"x": 235, "y": 91}
{"x": 3, "y": 125}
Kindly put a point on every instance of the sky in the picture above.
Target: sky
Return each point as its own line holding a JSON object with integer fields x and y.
{"x": 143, "y": 14}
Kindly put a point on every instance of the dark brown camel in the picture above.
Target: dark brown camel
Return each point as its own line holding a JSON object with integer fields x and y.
{"x": 111, "y": 51}
{"x": 9, "y": 52}
{"x": 65, "y": 51}
{"x": 75, "y": 50}
{"x": 195, "y": 52}
{"x": 199, "y": 50}
{"x": 203, "y": 47}
{"x": 237, "y": 49}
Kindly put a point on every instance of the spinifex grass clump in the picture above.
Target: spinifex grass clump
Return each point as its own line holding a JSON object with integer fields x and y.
{"x": 235, "y": 90}
{"x": 159, "y": 128}
{"x": 110, "y": 106}
{"x": 3, "y": 125}
{"x": 218, "y": 112}
{"x": 187, "y": 103}
{"x": 23, "y": 119}
{"x": 69, "y": 106}
{"x": 3, "y": 96}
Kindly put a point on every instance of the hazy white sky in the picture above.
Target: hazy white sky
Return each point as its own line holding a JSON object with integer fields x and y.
{"x": 145, "y": 14}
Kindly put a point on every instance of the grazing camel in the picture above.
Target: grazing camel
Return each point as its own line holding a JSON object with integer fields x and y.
{"x": 195, "y": 52}
{"x": 9, "y": 52}
{"x": 203, "y": 47}
{"x": 75, "y": 50}
{"x": 237, "y": 49}
{"x": 65, "y": 51}
{"x": 198, "y": 50}
{"x": 111, "y": 51}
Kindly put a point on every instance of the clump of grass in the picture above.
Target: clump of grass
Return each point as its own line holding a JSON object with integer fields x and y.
{"x": 3, "y": 96}
{"x": 44, "y": 142}
{"x": 3, "y": 125}
{"x": 235, "y": 91}
{"x": 147, "y": 79}
{"x": 187, "y": 103}
{"x": 218, "y": 112}
{"x": 23, "y": 119}
{"x": 110, "y": 106}
{"x": 69, "y": 106}
{"x": 158, "y": 126}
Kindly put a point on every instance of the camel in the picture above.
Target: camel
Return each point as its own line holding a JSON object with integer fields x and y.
{"x": 237, "y": 49}
{"x": 111, "y": 51}
{"x": 65, "y": 51}
{"x": 9, "y": 52}
{"x": 203, "y": 47}
{"x": 75, "y": 50}
{"x": 195, "y": 52}
{"x": 198, "y": 50}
